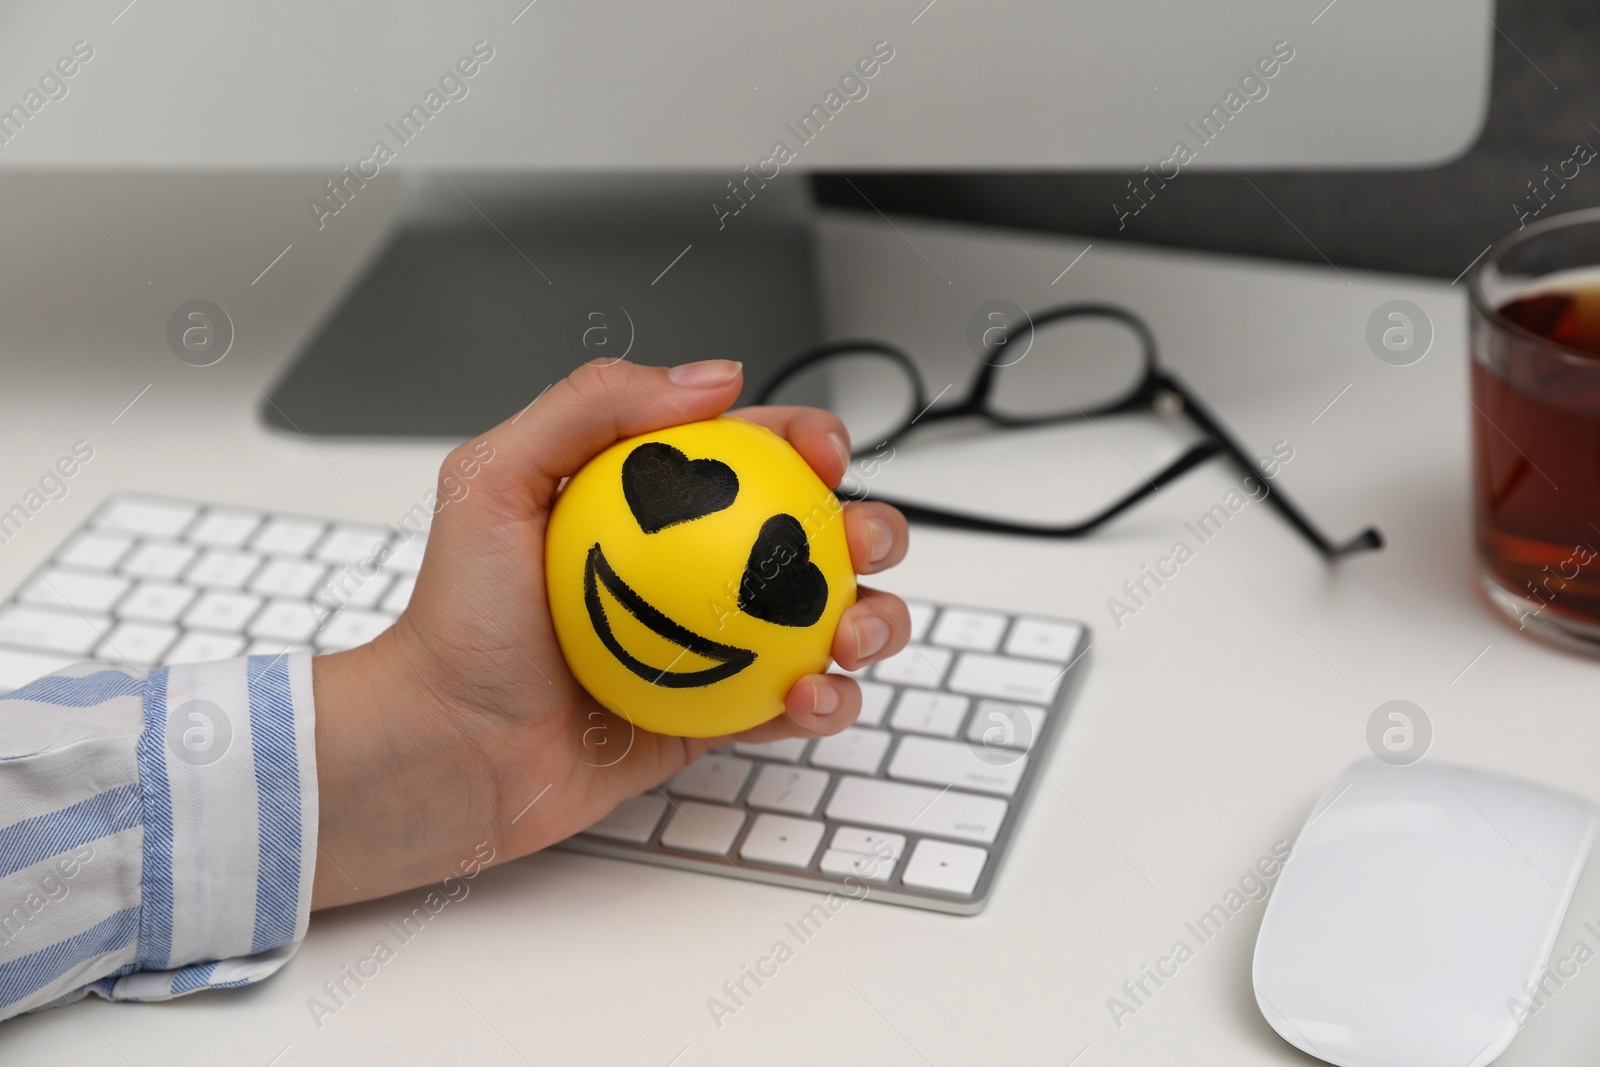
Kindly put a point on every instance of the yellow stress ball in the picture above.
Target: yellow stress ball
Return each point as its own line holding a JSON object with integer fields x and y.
{"x": 695, "y": 574}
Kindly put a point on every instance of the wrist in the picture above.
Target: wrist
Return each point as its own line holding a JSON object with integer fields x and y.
{"x": 403, "y": 785}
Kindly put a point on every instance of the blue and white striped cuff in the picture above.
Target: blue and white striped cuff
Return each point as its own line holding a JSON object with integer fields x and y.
{"x": 228, "y": 770}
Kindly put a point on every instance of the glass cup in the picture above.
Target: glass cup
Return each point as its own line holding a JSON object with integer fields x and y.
{"x": 1536, "y": 427}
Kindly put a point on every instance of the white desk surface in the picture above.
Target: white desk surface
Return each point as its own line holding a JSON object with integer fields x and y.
{"x": 1208, "y": 725}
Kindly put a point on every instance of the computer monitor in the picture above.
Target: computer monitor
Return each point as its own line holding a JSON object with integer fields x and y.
{"x": 626, "y": 174}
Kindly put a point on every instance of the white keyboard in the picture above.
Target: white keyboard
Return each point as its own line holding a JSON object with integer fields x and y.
{"x": 147, "y": 582}
{"x": 916, "y": 804}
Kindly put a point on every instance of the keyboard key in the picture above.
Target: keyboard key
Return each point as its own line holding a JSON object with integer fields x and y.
{"x": 868, "y": 842}
{"x": 335, "y": 590}
{"x": 345, "y": 588}
{"x": 712, "y": 777}
{"x": 224, "y": 528}
{"x": 347, "y": 543}
{"x": 93, "y": 593}
{"x": 293, "y": 621}
{"x": 138, "y": 643}
{"x": 999, "y": 676}
{"x": 18, "y": 668}
{"x": 921, "y": 665}
{"x": 840, "y": 864}
{"x": 897, "y": 806}
{"x": 221, "y": 568}
{"x": 199, "y": 646}
{"x": 51, "y": 630}
{"x": 222, "y": 611}
{"x": 287, "y": 577}
{"x": 702, "y": 828}
{"x": 156, "y": 602}
{"x": 287, "y": 537}
{"x": 148, "y": 517}
{"x": 632, "y": 820}
{"x": 350, "y": 628}
{"x": 1005, "y": 724}
{"x": 964, "y": 628}
{"x": 369, "y": 592}
{"x": 856, "y": 749}
{"x": 158, "y": 559}
{"x": 95, "y": 551}
{"x": 928, "y": 759}
{"x": 407, "y": 556}
{"x": 1043, "y": 639}
{"x": 875, "y": 698}
{"x": 926, "y": 712}
{"x": 943, "y": 866}
{"x": 792, "y": 789}
{"x": 921, "y": 619}
{"x": 782, "y": 841}
{"x": 789, "y": 750}
{"x": 399, "y": 594}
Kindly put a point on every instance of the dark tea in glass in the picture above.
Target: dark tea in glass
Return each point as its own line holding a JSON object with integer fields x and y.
{"x": 1536, "y": 427}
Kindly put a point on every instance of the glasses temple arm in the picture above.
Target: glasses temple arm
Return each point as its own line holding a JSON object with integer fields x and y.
{"x": 958, "y": 520}
{"x": 1367, "y": 540}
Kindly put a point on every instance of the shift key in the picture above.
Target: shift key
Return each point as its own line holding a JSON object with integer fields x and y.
{"x": 897, "y": 806}
{"x": 1001, "y": 676}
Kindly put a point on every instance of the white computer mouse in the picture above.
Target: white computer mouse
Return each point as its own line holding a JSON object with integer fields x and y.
{"x": 1417, "y": 902}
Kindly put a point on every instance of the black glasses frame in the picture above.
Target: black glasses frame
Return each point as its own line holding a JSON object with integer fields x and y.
{"x": 1156, "y": 391}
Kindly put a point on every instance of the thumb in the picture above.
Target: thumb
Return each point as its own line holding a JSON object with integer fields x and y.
{"x": 595, "y": 406}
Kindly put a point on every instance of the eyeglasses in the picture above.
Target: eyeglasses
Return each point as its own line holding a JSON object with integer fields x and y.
{"x": 1108, "y": 369}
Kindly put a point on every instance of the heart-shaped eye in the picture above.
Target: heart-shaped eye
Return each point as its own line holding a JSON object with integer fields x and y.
{"x": 781, "y": 585}
{"x": 664, "y": 487}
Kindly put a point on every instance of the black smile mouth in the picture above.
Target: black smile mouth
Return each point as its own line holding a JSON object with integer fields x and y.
{"x": 730, "y": 660}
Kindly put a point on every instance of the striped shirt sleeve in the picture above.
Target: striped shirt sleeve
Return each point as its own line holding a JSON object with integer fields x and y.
{"x": 157, "y": 830}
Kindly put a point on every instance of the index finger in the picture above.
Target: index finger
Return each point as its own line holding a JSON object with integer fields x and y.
{"x": 595, "y": 406}
{"x": 819, "y": 436}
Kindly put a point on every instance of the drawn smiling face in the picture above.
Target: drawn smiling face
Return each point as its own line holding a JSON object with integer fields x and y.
{"x": 694, "y": 574}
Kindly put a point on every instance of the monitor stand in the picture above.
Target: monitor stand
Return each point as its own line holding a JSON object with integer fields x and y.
{"x": 489, "y": 289}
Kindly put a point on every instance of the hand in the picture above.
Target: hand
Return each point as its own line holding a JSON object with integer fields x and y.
{"x": 461, "y": 724}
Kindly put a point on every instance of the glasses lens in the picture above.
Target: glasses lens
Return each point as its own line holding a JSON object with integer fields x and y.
{"x": 873, "y": 394}
{"x": 1081, "y": 364}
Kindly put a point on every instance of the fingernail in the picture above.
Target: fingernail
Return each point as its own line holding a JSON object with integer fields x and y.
{"x": 872, "y": 633}
{"x": 706, "y": 374}
{"x": 842, "y": 449}
{"x": 880, "y": 539}
{"x": 824, "y": 699}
